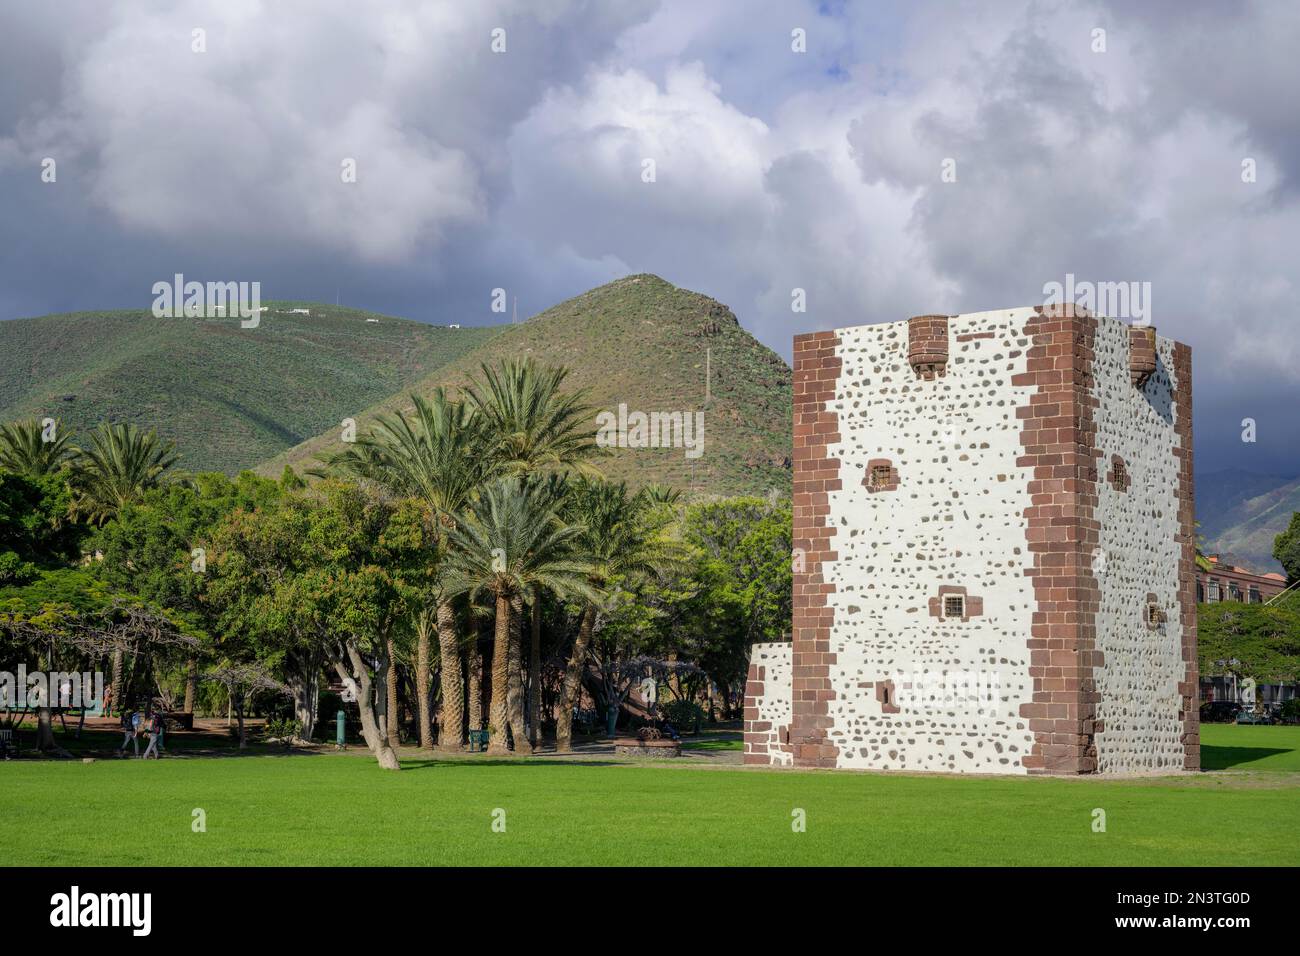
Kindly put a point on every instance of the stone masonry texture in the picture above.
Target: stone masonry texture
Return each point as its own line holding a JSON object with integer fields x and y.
{"x": 1000, "y": 430}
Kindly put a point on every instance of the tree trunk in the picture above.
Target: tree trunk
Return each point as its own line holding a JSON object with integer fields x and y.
{"x": 535, "y": 675}
{"x": 392, "y": 725}
{"x": 573, "y": 682}
{"x": 451, "y": 734}
{"x": 475, "y": 688}
{"x": 191, "y": 684}
{"x": 305, "y": 690}
{"x": 498, "y": 716}
{"x": 422, "y": 673}
{"x": 117, "y": 679}
{"x": 356, "y": 676}
{"x": 45, "y": 741}
{"x": 515, "y": 696}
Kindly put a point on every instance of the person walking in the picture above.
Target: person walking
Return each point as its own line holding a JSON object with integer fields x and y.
{"x": 130, "y": 729}
{"x": 154, "y": 730}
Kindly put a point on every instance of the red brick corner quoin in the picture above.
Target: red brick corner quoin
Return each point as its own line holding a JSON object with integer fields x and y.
{"x": 1058, "y": 440}
{"x": 1188, "y": 690}
{"x": 816, "y": 372}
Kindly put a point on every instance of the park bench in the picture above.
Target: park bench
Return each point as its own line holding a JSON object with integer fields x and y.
{"x": 478, "y": 740}
{"x": 8, "y": 743}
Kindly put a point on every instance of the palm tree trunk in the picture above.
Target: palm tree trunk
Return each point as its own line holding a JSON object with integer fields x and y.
{"x": 391, "y": 725}
{"x": 451, "y": 733}
{"x": 498, "y": 716}
{"x": 573, "y": 682}
{"x": 475, "y": 686}
{"x": 515, "y": 697}
{"x": 422, "y": 674}
{"x": 117, "y": 679}
{"x": 191, "y": 684}
{"x": 535, "y": 676}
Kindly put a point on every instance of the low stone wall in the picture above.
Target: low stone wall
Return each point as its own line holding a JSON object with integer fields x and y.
{"x": 653, "y": 749}
{"x": 768, "y": 692}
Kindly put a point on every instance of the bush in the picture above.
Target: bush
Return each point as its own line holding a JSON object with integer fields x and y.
{"x": 1291, "y": 711}
{"x": 284, "y": 729}
{"x": 685, "y": 715}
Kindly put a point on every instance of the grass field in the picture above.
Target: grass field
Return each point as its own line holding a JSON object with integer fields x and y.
{"x": 341, "y": 809}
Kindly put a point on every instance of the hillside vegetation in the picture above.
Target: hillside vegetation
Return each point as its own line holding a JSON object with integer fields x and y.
{"x": 642, "y": 341}
{"x": 229, "y": 397}
{"x": 1241, "y": 513}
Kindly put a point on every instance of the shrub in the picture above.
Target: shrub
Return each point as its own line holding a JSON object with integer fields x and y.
{"x": 685, "y": 715}
{"x": 284, "y": 729}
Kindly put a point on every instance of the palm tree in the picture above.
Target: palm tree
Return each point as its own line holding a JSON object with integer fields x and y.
{"x": 121, "y": 464}
{"x": 511, "y": 544}
{"x": 30, "y": 449}
{"x": 533, "y": 424}
{"x": 535, "y": 428}
{"x": 435, "y": 455}
{"x": 623, "y": 538}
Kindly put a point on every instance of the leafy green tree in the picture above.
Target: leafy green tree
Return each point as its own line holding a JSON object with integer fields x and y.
{"x": 35, "y": 531}
{"x": 1286, "y": 548}
{"x": 1250, "y": 640}
{"x": 745, "y": 578}
{"x": 157, "y": 547}
{"x": 308, "y": 579}
{"x": 27, "y": 448}
{"x": 622, "y": 536}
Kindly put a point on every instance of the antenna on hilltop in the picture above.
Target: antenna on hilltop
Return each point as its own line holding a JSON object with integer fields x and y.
{"x": 708, "y": 375}
{"x": 514, "y": 314}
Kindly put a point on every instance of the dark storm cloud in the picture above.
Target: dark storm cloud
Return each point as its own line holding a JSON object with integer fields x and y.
{"x": 775, "y": 170}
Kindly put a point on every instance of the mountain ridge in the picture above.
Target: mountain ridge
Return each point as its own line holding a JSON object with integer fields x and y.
{"x": 646, "y": 343}
{"x": 229, "y": 397}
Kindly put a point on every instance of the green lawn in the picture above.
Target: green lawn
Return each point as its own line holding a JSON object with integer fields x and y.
{"x": 1229, "y": 747}
{"x": 332, "y": 809}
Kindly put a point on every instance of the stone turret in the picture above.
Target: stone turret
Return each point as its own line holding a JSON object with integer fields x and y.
{"x": 1141, "y": 353}
{"x": 927, "y": 345}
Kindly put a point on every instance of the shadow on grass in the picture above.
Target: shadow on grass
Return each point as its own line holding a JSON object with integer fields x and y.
{"x": 460, "y": 763}
{"x": 1226, "y": 758}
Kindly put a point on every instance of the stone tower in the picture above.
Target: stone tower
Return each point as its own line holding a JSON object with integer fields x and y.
{"x": 994, "y": 551}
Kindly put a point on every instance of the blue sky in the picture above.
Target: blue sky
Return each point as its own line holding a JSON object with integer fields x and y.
{"x": 1118, "y": 160}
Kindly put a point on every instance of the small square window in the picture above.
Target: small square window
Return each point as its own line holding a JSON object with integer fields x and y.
{"x": 954, "y": 606}
{"x": 880, "y": 476}
{"x": 1154, "y": 614}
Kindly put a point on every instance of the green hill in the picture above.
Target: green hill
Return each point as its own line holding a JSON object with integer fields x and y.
{"x": 644, "y": 342}
{"x": 1241, "y": 513}
{"x": 229, "y": 397}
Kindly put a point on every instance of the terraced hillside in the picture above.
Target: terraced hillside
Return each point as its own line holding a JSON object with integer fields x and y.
{"x": 229, "y": 397}
{"x": 644, "y": 342}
